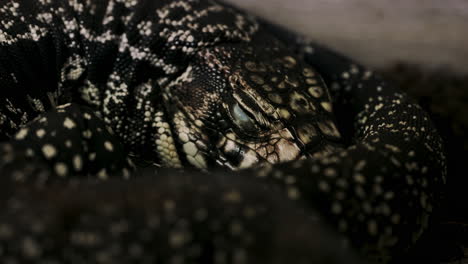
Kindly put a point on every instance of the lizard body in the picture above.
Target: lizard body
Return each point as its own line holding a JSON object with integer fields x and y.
{"x": 199, "y": 84}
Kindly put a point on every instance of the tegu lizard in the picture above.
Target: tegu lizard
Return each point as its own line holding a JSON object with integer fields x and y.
{"x": 91, "y": 87}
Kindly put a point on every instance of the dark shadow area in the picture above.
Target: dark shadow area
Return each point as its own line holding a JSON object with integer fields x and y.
{"x": 445, "y": 96}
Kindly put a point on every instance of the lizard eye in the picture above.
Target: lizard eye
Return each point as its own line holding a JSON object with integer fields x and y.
{"x": 243, "y": 120}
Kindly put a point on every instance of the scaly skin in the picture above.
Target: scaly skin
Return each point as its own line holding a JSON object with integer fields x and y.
{"x": 183, "y": 84}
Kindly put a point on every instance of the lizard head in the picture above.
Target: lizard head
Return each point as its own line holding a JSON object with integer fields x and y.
{"x": 238, "y": 106}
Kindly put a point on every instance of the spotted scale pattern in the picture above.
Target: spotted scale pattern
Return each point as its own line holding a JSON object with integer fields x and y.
{"x": 67, "y": 141}
{"x": 113, "y": 56}
{"x": 199, "y": 84}
{"x": 172, "y": 218}
{"x": 384, "y": 181}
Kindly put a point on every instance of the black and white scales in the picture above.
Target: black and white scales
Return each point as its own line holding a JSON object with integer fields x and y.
{"x": 291, "y": 141}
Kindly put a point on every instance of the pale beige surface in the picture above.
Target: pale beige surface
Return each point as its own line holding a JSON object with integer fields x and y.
{"x": 378, "y": 32}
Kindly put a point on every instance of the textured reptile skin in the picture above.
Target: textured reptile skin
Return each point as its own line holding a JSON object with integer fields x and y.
{"x": 89, "y": 86}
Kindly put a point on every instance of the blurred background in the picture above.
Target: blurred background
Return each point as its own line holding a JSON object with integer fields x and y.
{"x": 378, "y": 32}
{"x": 422, "y": 46}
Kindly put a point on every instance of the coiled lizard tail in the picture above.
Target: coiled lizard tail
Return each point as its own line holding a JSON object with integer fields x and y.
{"x": 381, "y": 189}
{"x": 170, "y": 218}
{"x": 396, "y": 163}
